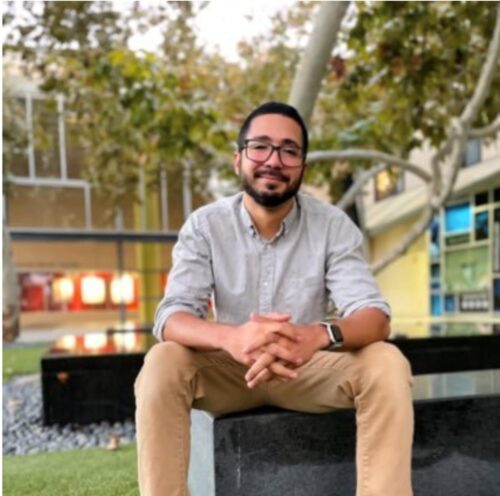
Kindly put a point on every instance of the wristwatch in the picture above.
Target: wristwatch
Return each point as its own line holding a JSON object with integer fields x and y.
{"x": 335, "y": 335}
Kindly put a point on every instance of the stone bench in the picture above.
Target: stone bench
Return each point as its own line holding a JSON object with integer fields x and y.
{"x": 89, "y": 378}
{"x": 267, "y": 452}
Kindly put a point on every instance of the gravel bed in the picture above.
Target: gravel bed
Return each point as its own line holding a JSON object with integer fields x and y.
{"x": 24, "y": 432}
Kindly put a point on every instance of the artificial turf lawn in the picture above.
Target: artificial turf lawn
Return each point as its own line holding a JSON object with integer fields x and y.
{"x": 20, "y": 360}
{"x": 92, "y": 472}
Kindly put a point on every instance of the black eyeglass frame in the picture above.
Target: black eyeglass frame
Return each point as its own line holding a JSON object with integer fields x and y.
{"x": 273, "y": 149}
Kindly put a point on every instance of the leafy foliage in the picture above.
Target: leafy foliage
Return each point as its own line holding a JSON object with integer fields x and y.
{"x": 406, "y": 70}
{"x": 412, "y": 68}
{"x": 136, "y": 113}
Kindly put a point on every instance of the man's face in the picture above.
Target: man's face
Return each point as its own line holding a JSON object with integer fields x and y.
{"x": 269, "y": 182}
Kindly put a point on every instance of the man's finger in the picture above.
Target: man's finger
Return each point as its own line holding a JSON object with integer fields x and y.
{"x": 261, "y": 363}
{"x": 285, "y": 331}
{"x": 261, "y": 340}
{"x": 263, "y": 376}
{"x": 284, "y": 354}
{"x": 282, "y": 372}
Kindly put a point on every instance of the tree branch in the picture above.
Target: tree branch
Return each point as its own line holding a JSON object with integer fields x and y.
{"x": 486, "y": 77}
{"x": 417, "y": 230}
{"x": 371, "y": 155}
{"x": 454, "y": 146}
{"x": 488, "y": 130}
{"x": 350, "y": 195}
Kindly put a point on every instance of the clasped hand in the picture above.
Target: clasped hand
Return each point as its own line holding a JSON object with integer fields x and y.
{"x": 272, "y": 347}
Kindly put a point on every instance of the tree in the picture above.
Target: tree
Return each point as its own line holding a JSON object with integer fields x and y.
{"x": 138, "y": 114}
{"x": 406, "y": 59}
{"x": 14, "y": 137}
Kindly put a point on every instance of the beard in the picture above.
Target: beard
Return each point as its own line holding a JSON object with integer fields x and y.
{"x": 270, "y": 197}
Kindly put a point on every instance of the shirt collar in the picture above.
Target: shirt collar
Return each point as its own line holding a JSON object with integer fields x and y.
{"x": 286, "y": 225}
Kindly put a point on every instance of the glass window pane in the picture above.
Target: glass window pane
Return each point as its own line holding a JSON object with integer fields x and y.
{"x": 457, "y": 239}
{"x": 75, "y": 152}
{"x": 435, "y": 271}
{"x": 46, "y": 132}
{"x": 388, "y": 183}
{"x": 481, "y": 198}
{"x": 436, "y": 305}
{"x": 472, "y": 152}
{"x": 481, "y": 226}
{"x": 435, "y": 239}
{"x": 458, "y": 217}
{"x": 467, "y": 269}
{"x": 449, "y": 303}
{"x": 15, "y": 139}
{"x": 496, "y": 240}
{"x": 496, "y": 294}
{"x": 30, "y": 206}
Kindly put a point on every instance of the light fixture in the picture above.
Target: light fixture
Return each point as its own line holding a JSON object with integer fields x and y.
{"x": 93, "y": 290}
{"x": 95, "y": 340}
{"x": 126, "y": 341}
{"x": 122, "y": 290}
{"x": 63, "y": 289}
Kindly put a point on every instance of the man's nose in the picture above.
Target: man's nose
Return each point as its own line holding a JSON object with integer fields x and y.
{"x": 274, "y": 159}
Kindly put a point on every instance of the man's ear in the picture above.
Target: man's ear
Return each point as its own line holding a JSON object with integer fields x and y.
{"x": 236, "y": 162}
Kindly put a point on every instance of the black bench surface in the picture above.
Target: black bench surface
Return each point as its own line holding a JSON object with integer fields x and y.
{"x": 270, "y": 451}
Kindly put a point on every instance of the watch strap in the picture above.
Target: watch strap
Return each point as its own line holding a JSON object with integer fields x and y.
{"x": 335, "y": 335}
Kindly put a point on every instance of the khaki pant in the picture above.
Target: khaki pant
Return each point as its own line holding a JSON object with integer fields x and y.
{"x": 376, "y": 380}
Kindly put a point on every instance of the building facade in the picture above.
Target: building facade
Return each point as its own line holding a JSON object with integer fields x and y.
{"x": 449, "y": 279}
{"x": 81, "y": 263}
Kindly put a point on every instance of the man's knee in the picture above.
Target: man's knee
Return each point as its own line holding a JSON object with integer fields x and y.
{"x": 382, "y": 364}
{"x": 163, "y": 369}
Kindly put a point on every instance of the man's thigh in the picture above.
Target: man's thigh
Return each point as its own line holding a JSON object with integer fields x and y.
{"x": 216, "y": 380}
{"x": 332, "y": 380}
{"x": 318, "y": 387}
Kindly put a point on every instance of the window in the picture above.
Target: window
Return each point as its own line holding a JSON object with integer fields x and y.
{"x": 472, "y": 154}
{"x": 75, "y": 152}
{"x": 496, "y": 294}
{"x": 481, "y": 198}
{"x": 46, "y": 131}
{"x": 458, "y": 218}
{"x": 15, "y": 128}
{"x": 436, "y": 305}
{"x": 467, "y": 269}
{"x": 388, "y": 183}
{"x": 481, "y": 227}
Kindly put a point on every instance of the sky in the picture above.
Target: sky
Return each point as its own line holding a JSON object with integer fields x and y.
{"x": 223, "y": 23}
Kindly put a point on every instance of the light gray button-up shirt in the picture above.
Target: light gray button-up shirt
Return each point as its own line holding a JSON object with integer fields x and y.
{"x": 316, "y": 256}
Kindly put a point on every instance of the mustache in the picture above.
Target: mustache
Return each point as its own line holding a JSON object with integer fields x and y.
{"x": 272, "y": 173}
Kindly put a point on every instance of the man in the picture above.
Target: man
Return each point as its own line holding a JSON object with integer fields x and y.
{"x": 271, "y": 258}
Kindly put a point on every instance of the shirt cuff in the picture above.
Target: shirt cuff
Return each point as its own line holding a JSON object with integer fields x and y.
{"x": 164, "y": 315}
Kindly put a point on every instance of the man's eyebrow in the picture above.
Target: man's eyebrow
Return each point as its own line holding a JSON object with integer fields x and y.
{"x": 265, "y": 137}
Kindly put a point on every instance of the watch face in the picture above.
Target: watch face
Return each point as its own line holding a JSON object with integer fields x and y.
{"x": 337, "y": 334}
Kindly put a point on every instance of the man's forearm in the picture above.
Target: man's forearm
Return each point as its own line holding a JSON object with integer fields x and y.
{"x": 188, "y": 330}
{"x": 363, "y": 327}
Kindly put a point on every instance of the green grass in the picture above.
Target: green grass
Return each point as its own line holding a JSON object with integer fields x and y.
{"x": 88, "y": 472}
{"x": 20, "y": 360}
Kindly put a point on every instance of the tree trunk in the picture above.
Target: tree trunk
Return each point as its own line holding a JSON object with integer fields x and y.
{"x": 10, "y": 308}
{"x": 313, "y": 65}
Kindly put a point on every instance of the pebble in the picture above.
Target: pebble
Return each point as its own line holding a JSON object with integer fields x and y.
{"x": 24, "y": 432}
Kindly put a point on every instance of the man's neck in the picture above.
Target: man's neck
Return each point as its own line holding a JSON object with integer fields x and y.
{"x": 267, "y": 220}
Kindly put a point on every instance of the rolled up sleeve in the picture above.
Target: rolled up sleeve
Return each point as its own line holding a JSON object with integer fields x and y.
{"x": 190, "y": 282}
{"x": 349, "y": 279}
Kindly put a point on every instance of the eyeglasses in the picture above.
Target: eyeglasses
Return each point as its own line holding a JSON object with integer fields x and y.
{"x": 260, "y": 151}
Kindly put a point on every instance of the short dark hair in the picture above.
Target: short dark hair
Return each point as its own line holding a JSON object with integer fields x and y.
{"x": 274, "y": 108}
